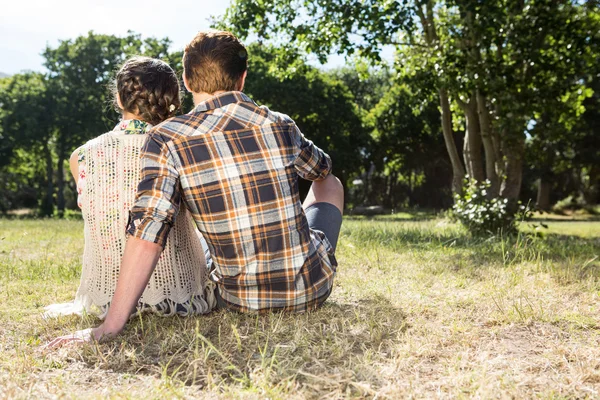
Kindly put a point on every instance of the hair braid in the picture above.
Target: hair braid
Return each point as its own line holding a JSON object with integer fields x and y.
{"x": 148, "y": 88}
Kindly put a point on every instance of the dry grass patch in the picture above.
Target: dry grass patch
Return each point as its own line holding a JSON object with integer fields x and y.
{"x": 419, "y": 310}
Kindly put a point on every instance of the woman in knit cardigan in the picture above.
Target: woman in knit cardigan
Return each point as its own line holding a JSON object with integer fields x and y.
{"x": 107, "y": 173}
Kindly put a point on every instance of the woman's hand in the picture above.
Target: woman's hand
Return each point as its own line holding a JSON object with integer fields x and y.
{"x": 83, "y": 336}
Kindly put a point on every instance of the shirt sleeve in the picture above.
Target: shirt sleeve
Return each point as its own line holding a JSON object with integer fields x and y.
{"x": 311, "y": 163}
{"x": 158, "y": 196}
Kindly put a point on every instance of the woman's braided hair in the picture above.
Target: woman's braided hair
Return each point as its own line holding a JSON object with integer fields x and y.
{"x": 149, "y": 88}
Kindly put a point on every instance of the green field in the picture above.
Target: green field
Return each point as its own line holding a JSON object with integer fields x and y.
{"x": 419, "y": 309}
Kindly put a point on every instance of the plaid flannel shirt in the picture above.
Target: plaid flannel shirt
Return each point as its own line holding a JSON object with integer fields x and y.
{"x": 235, "y": 166}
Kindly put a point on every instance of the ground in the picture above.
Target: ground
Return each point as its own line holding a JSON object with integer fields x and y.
{"x": 419, "y": 309}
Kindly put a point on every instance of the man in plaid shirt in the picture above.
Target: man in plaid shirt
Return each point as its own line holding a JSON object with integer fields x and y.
{"x": 235, "y": 166}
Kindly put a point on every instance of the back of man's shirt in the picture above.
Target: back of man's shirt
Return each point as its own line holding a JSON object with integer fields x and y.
{"x": 235, "y": 166}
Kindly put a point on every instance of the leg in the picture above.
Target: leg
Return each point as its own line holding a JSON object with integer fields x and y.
{"x": 329, "y": 190}
{"x": 323, "y": 207}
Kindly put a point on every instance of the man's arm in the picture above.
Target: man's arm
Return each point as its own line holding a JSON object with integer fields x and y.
{"x": 311, "y": 163}
{"x": 139, "y": 261}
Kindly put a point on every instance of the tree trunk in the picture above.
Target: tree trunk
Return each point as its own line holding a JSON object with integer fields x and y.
{"x": 543, "y": 193}
{"x": 458, "y": 171}
{"x": 513, "y": 152}
{"x": 488, "y": 146}
{"x": 393, "y": 181}
{"x": 498, "y": 151}
{"x": 47, "y": 206}
{"x": 472, "y": 146}
{"x": 60, "y": 183}
{"x": 431, "y": 38}
{"x": 410, "y": 189}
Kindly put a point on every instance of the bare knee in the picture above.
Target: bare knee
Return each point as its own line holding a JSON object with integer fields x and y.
{"x": 334, "y": 185}
{"x": 328, "y": 190}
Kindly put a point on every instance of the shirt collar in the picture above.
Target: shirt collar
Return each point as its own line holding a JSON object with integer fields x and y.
{"x": 132, "y": 127}
{"x": 222, "y": 100}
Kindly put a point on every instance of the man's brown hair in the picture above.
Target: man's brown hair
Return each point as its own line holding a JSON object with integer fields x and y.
{"x": 214, "y": 61}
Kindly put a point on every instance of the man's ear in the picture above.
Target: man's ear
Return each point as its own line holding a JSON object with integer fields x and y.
{"x": 185, "y": 82}
{"x": 242, "y": 81}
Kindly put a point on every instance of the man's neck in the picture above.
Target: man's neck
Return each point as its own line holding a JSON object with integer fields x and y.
{"x": 203, "y": 96}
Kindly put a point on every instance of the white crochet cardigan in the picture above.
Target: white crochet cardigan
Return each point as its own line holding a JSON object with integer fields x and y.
{"x": 109, "y": 175}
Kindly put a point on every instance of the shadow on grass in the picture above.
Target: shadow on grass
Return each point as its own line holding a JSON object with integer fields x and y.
{"x": 585, "y": 218}
{"x": 398, "y": 238}
{"x": 280, "y": 353}
{"x": 400, "y": 217}
{"x": 568, "y": 257}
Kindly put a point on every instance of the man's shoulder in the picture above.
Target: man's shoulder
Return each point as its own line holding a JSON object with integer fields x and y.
{"x": 275, "y": 116}
{"x": 172, "y": 127}
{"x": 173, "y": 122}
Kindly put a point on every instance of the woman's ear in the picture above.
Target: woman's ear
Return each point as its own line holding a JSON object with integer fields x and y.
{"x": 119, "y": 104}
{"x": 242, "y": 81}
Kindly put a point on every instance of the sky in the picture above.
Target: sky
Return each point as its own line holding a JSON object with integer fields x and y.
{"x": 27, "y": 26}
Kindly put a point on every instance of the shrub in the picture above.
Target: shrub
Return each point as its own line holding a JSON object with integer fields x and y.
{"x": 485, "y": 215}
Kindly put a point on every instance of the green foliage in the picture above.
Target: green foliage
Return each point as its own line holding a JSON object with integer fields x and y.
{"x": 322, "y": 27}
{"x": 406, "y": 132}
{"x": 26, "y": 112}
{"x": 367, "y": 85}
{"x": 484, "y": 215}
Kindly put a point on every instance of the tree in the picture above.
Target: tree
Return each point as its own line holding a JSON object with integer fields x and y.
{"x": 501, "y": 62}
{"x": 367, "y": 85}
{"x": 26, "y": 122}
{"x": 410, "y": 149}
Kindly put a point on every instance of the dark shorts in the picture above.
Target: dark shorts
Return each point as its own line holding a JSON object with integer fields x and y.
{"x": 324, "y": 217}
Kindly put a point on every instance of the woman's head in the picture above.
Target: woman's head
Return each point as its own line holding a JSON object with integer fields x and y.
{"x": 148, "y": 88}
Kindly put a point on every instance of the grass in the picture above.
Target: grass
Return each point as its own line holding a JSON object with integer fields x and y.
{"x": 419, "y": 309}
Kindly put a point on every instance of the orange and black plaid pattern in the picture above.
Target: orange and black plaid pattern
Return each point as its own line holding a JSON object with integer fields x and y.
{"x": 235, "y": 166}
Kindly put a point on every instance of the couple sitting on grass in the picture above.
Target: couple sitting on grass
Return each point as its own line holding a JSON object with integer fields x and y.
{"x": 228, "y": 169}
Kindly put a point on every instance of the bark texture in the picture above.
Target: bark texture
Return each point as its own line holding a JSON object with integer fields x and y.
{"x": 425, "y": 13}
{"x": 60, "y": 185}
{"x": 472, "y": 146}
{"x": 543, "y": 194}
{"x": 514, "y": 153}
{"x": 458, "y": 171}
{"x": 488, "y": 146}
{"x": 47, "y": 206}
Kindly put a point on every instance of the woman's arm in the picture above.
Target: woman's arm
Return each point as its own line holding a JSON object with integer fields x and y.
{"x": 74, "y": 164}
